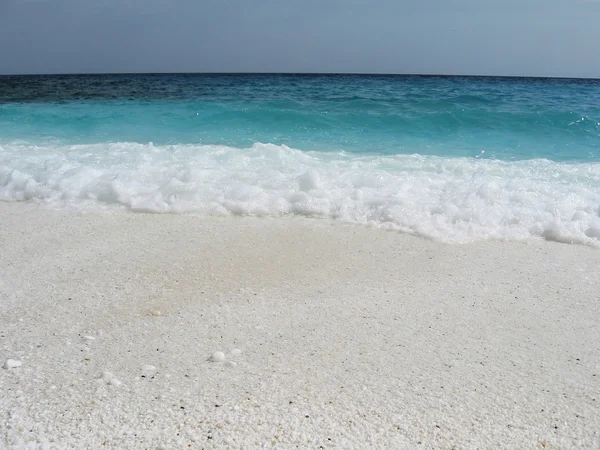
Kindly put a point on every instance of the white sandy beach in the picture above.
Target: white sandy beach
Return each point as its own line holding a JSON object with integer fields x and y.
{"x": 350, "y": 337}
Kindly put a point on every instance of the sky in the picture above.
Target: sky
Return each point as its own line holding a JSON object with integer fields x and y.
{"x": 468, "y": 37}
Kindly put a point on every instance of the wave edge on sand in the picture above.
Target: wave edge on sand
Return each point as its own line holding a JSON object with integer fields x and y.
{"x": 453, "y": 200}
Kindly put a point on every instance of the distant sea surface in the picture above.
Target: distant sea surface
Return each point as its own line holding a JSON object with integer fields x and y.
{"x": 456, "y": 159}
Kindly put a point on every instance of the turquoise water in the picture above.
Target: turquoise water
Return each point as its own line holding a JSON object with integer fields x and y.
{"x": 506, "y": 118}
{"x": 452, "y": 158}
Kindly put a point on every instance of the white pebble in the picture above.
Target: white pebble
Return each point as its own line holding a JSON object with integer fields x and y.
{"x": 217, "y": 357}
{"x": 115, "y": 382}
{"x": 148, "y": 368}
{"x": 155, "y": 313}
{"x": 11, "y": 363}
{"x": 106, "y": 376}
{"x": 89, "y": 338}
{"x": 192, "y": 437}
{"x": 230, "y": 364}
{"x": 236, "y": 352}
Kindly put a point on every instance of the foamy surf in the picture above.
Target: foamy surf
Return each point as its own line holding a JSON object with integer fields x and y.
{"x": 454, "y": 200}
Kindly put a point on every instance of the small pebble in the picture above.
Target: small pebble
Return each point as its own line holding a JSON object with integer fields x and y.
{"x": 107, "y": 376}
{"x": 230, "y": 364}
{"x": 89, "y": 338}
{"x": 11, "y": 363}
{"x": 148, "y": 368}
{"x": 155, "y": 313}
{"x": 115, "y": 382}
{"x": 217, "y": 357}
{"x": 236, "y": 352}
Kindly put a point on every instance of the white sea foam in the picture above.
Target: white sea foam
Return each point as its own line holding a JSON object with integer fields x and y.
{"x": 450, "y": 199}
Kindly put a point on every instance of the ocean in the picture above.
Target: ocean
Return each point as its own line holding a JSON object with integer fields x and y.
{"x": 455, "y": 159}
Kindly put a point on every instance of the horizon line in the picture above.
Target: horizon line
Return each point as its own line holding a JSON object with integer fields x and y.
{"x": 375, "y": 74}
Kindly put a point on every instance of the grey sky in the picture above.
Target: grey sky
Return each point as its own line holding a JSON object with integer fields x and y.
{"x": 496, "y": 37}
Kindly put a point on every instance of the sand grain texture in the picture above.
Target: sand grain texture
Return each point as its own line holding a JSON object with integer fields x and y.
{"x": 344, "y": 336}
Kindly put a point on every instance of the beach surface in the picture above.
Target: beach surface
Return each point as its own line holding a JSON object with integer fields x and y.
{"x": 123, "y": 330}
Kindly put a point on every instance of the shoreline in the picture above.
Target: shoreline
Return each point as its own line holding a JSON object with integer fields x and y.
{"x": 350, "y": 337}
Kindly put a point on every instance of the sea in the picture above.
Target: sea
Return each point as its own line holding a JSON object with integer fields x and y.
{"x": 454, "y": 159}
